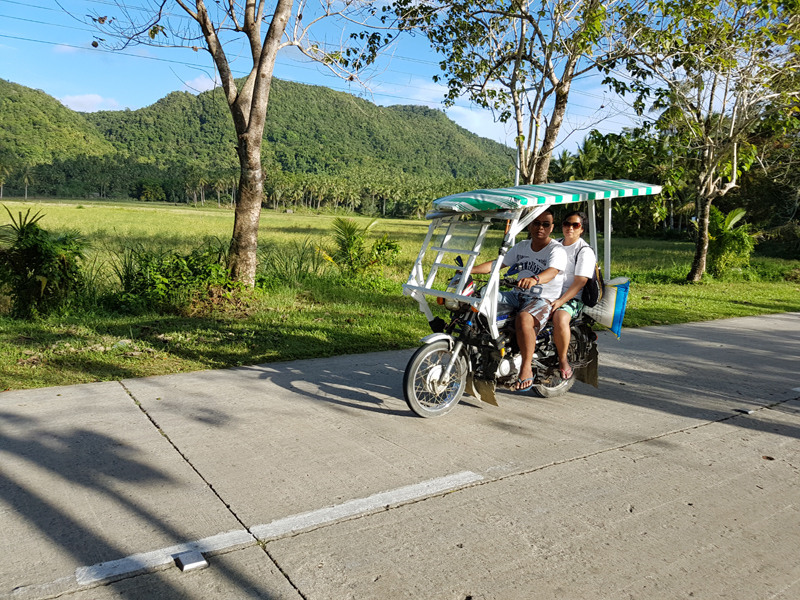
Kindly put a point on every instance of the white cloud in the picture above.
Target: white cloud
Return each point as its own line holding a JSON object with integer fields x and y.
{"x": 425, "y": 92}
{"x": 482, "y": 123}
{"x": 89, "y": 103}
{"x": 200, "y": 84}
{"x": 61, "y": 49}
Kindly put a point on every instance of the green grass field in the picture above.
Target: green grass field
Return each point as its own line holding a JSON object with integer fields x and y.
{"x": 318, "y": 318}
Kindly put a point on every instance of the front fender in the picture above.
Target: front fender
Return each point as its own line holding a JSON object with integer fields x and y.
{"x": 435, "y": 337}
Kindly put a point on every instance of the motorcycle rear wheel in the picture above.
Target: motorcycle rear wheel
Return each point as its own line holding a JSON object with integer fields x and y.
{"x": 425, "y": 395}
{"x": 554, "y": 386}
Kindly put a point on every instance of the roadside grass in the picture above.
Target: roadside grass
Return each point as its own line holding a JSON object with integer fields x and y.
{"x": 319, "y": 316}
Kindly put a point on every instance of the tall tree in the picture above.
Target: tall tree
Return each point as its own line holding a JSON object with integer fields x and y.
{"x": 520, "y": 58}
{"x": 27, "y": 176}
{"x": 713, "y": 71}
{"x": 5, "y": 171}
{"x": 215, "y": 26}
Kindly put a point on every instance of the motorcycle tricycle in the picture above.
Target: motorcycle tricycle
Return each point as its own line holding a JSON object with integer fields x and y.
{"x": 475, "y": 350}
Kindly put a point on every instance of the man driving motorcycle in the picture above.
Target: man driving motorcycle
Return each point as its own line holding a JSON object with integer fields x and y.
{"x": 541, "y": 263}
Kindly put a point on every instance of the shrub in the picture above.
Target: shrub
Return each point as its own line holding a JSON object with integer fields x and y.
{"x": 349, "y": 253}
{"x": 729, "y": 247}
{"x": 40, "y": 268}
{"x": 296, "y": 263}
{"x": 168, "y": 280}
{"x": 781, "y": 242}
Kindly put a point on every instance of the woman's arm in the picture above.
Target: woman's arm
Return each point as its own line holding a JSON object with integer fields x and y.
{"x": 577, "y": 286}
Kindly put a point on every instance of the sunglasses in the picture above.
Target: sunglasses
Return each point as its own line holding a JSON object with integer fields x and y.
{"x": 543, "y": 224}
{"x": 575, "y": 224}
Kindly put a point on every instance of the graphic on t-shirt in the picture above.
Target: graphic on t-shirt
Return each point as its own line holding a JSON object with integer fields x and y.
{"x": 534, "y": 266}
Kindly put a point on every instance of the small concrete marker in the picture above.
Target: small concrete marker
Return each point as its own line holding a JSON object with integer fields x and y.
{"x": 162, "y": 556}
{"x": 191, "y": 560}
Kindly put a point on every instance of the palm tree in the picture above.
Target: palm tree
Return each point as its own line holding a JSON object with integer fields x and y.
{"x": 27, "y": 178}
{"x": 585, "y": 164}
{"x": 219, "y": 184}
{"x": 5, "y": 171}
{"x": 561, "y": 167}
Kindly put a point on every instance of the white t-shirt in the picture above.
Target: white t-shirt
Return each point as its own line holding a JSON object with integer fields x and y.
{"x": 533, "y": 263}
{"x": 583, "y": 267}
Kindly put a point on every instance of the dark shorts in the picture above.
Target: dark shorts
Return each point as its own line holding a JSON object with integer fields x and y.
{"x": 574, "y": 307}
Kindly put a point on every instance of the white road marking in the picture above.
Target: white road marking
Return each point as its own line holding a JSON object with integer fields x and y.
{"x": 163, "y": 556}
{"x": 362, "y": 505}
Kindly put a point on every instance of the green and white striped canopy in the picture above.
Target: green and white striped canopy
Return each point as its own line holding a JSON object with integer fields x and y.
{"x": 528, "y": 196}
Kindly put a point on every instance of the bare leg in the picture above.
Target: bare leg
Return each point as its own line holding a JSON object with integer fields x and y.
{"x": 527, "y": 328}
{"x": 561, "y": 336}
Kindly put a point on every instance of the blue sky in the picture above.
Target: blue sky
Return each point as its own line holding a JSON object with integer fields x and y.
{"x": 43, "y": 47}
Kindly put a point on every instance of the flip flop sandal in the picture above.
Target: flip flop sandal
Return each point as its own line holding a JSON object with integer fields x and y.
{"x": 566, "y": 373}
{"x": 527, "y": 384}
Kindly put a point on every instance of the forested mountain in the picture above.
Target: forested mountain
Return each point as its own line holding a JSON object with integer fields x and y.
{"x": 310, "y": 129}
{"x": 36, "y": 128}
{"x": 320, "y": 147}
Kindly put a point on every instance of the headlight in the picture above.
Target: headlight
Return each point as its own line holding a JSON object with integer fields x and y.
{"x": 451, "y": 304}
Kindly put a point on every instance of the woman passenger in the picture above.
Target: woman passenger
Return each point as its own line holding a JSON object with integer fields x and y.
{"x": 581, "y": 262}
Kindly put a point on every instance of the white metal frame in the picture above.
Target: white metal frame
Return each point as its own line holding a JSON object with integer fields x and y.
{"x": 419, "y": 286}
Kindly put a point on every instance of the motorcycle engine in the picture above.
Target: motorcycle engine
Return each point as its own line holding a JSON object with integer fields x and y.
{"x": 509, "y": 365}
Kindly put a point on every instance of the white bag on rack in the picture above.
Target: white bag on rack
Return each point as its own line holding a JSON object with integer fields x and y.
{"x": 611, "y": 309}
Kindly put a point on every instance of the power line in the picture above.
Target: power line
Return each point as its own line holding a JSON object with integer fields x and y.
{"x": 571, "y": 107}
{"x": 110, "y": 3}
{"x": 45, "y": 23}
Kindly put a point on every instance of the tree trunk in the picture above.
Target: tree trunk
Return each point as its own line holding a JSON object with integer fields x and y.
{"x": 701, "y": 248}
{"x": 244, "y": 243}
{"x": 553, "y": 127}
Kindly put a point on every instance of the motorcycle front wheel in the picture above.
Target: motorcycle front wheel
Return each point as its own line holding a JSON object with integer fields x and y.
{"x": 425, "y": 394}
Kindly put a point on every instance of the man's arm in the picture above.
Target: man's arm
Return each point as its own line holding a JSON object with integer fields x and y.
{"x": 483, "y": 268}
{"x": 543, "y": 277}
{"x": 548, "y": 274}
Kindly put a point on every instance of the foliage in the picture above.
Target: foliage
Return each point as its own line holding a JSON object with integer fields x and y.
{"x": 350, "y": 153}
{"x": 167, "y": 280}
{"x": 349, "y": 253}
{"x": 520, "y": 59}
{"x": 293, "y": 264}
{"x": 712, "y": 73}
{"x": 215, "y": 27}
{"x": 729, "y": 247}
{"x": 782, "y": 242}
{"x": 149, "y": 190}
{"x": 35, "y": 128}
{"x": 39, "y": 267}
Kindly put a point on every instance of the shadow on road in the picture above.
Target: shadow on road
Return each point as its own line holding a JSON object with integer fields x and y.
{"x": 97, "y": 464}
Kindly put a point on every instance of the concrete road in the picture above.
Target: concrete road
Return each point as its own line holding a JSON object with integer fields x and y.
{"x": 679, "y": 477}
